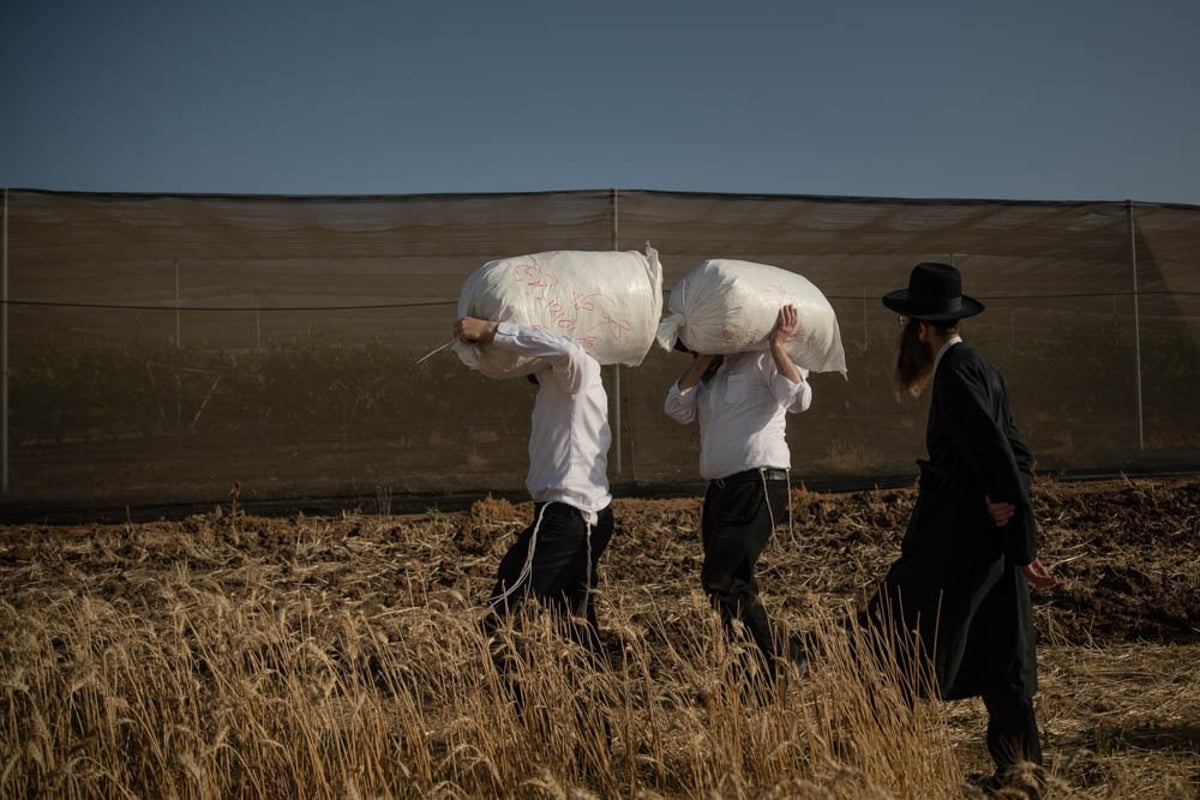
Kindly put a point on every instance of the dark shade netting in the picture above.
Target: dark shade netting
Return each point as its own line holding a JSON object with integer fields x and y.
{"x": 162, "y": 347}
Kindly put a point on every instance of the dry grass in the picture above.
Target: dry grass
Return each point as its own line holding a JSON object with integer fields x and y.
{"x": 340, "y": 657}
{"x": 213, "y": 694}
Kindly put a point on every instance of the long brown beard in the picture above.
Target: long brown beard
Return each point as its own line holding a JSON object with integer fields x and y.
{"x": 914, "y": 362}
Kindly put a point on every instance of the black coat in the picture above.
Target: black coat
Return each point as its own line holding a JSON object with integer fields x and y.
{"x": 958, "y": 581}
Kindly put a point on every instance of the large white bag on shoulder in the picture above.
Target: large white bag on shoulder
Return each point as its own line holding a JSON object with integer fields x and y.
{"x": 729, "y": 306}
{"x": 609, "y": 302}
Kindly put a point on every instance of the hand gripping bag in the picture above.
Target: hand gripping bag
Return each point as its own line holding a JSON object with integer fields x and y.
{"x": 609, "y": 302}
{"x": 727, "y": 306}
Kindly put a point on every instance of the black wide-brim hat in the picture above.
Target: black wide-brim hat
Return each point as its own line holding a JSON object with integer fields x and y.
{"x": 934, "y": 294}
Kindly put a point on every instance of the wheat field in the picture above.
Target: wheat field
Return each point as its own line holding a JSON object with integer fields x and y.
{"x": 230, "y": 655}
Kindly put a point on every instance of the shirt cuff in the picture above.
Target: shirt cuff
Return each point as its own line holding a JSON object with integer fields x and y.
{"x": 788, "y": 393}
{"x": 507, "y": 331}
{"x": 785, "y": 388}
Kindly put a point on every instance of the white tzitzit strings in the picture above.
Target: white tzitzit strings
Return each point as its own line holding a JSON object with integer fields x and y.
{"x": 587, "y": 585}
{"x": 770, "y": 511}
{"x": 527, "y": 568}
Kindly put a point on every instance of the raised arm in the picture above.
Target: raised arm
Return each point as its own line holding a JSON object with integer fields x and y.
{"x": 695, "y": 371}
{"x": 785, "y": 327}
{"x": 680, "y": 404}
{"x": 566, "y": 356}
{"x": 787, "y": 381}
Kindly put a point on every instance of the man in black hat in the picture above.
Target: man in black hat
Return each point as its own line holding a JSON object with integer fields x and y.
{"x": 958, "y": 596}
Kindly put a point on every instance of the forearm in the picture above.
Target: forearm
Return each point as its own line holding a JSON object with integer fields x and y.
{"x": 532, "y": 342}
{"x": 788, "y": 382}
{"x": 695, "y": 372}
{"x": 783, "y": 362}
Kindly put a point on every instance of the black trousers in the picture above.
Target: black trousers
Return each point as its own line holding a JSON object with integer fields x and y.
{"x": 739, "y": 516}
{"x": 560, "y": 574}
{"x": 1012, "y": 734}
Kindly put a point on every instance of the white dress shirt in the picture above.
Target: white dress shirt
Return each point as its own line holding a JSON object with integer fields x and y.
{"x": 568, "y": 443}
{"x": 953, "y": 340}
{"x": 742, "y": 412}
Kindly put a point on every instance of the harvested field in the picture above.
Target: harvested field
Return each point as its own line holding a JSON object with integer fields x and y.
{"x": 234, "y": 655}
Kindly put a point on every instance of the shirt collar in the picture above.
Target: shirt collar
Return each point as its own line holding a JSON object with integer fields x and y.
{"x": 953, "y": 340}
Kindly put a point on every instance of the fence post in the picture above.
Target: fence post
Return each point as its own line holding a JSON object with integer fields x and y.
{"x": 1137, "y": 325}
{"x": 616, "y": 367}
{"x": 865, "y": 335}
{"x": 178, "y": 377}
{"x": 4, "y": 348}
{"x": 177, "y": 326}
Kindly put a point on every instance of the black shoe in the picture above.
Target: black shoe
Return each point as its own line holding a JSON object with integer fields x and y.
{"x": 1017, "y": 782}
{"x": 797, "y": 655}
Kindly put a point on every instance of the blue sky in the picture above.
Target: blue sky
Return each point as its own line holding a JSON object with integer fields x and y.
{"x": 1044, "y": 100}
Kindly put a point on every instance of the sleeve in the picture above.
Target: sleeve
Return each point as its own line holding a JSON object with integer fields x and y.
{"x": 795, "y": 397}
{"x": 681, "y": 403}
{"x": 567, "y": 357}
{"x": 982, "y": 441}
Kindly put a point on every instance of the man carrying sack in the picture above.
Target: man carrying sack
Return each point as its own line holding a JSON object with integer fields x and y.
{"x": 555, "y": 559}
{"x": 742, "y": 401}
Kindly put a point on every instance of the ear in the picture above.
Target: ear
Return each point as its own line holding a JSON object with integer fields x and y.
{"x": 924, "y": 331}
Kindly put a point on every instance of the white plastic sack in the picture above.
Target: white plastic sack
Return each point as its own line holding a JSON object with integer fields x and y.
{"x": 728, "y": 306}
{"x": 609, "y": 302}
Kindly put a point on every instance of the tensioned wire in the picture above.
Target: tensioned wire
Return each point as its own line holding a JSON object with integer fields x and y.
{"x": 432, "y": 303}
